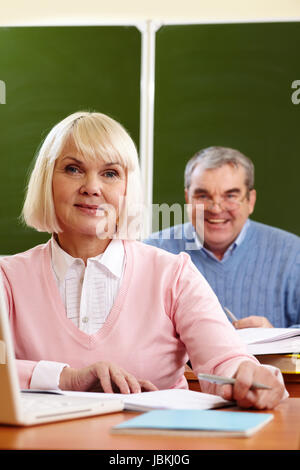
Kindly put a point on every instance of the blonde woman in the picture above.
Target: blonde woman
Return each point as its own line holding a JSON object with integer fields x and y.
{"x": 95, "y": 309}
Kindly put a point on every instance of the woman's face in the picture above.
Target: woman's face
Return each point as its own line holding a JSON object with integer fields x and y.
{"x": 87, "y": 194}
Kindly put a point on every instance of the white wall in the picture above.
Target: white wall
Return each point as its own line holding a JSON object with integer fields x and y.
{"x": 75, "y": 11}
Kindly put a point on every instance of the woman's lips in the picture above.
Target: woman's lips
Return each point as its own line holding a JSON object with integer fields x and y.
{"x": 91, "y": 209}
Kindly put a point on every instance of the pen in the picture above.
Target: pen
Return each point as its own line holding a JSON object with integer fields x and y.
{"x": 230, "y": 314}
{"x": 217, "y": 379}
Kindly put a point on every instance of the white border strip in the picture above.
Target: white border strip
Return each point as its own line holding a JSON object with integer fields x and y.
{"x": 147, "y": 119}
{"x": 234, "y": 21}
{"x": 74, "y": 22}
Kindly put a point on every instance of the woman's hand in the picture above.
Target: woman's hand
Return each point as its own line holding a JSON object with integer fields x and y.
{"x": 246, "y": 397}
{"x": 102, "y": 377}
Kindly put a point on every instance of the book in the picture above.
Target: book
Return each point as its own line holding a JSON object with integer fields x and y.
{"x": 287, "y": 363}
{"x": 271, "y": 340}
{"x": 202, "y": 423}
{"x": 163, "y": 399}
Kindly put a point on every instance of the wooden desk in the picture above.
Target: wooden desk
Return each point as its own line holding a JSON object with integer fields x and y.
{"x": 283, "y": 433}
{"x": 293, "y": 388}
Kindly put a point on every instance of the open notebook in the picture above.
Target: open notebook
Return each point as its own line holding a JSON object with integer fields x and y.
{"x": 17, "y": 408}
{"x": 166, "y": 399}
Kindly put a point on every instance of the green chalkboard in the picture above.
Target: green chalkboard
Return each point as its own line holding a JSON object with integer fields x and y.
{"x": 230, "y": 85}
{"x": 50, "y": 72}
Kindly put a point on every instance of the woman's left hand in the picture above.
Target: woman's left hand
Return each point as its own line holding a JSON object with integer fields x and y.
{"x": 245, "y": 396}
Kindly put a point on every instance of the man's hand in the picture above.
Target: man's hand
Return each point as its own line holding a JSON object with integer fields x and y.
{"x": 246, "y": 397}
{"x": 103, "y": 377}
{"x": 253, "y": 321}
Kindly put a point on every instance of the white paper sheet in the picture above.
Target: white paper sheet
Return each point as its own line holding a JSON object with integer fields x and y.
{"x": 163, "y": 399}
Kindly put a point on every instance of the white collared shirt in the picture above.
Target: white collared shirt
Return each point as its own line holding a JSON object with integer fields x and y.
{"x": 88, "y": 292}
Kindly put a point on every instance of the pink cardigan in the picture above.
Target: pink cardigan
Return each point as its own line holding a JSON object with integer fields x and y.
{"x": 165, "y": 313}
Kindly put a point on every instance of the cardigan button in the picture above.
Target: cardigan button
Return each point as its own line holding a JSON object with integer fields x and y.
{"x": 85, "y": 319}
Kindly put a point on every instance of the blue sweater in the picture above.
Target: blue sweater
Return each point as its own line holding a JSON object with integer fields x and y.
{"x": 261, "y": 277}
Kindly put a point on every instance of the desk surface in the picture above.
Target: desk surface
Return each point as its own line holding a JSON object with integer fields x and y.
{"x": 282, "y": 433}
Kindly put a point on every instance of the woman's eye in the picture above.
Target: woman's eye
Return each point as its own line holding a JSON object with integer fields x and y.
{"x": 72, "y": 170}
{"x": 110, "y": 174}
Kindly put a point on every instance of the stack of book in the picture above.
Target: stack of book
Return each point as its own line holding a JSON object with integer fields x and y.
{"x": 289, "y": 364}
{"x": 279, "y": 347}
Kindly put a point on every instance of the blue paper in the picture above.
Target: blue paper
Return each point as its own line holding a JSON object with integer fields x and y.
{"x": 244, "y": 423}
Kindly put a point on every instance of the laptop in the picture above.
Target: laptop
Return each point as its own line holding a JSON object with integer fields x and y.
{"x": 21, "y": 408}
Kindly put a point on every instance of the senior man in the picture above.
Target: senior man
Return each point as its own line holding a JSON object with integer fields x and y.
{"x": 253, "y": 268}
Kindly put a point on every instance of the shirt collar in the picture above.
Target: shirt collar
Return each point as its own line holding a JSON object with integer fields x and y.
{"x": 239, "y": 239}
{"x": 242, "y": 233}
{"x": 112, "y": 259}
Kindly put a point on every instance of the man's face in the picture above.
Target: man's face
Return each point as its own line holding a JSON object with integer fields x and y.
{"x": 216, "y": 189}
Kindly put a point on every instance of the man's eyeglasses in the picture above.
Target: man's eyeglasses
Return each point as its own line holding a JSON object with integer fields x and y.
{"x": 228, "y": 202}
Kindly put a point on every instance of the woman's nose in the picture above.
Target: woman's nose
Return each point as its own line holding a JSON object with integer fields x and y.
{"x": 91, "y": 185}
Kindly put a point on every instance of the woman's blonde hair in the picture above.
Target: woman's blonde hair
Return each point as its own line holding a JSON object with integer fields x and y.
{"x": 95, "y": 135}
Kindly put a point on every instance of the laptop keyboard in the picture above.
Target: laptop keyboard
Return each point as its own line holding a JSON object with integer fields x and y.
{"x": 42, "y": 401}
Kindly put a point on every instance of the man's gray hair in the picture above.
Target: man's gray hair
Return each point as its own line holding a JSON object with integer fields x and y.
{"x": 215, "y": 157}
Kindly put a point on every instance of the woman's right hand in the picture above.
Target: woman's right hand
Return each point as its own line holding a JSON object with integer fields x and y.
{"x": 103, "y": 377}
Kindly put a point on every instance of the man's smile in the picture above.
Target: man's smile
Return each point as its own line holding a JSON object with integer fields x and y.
{"x": 216, "y": 221}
